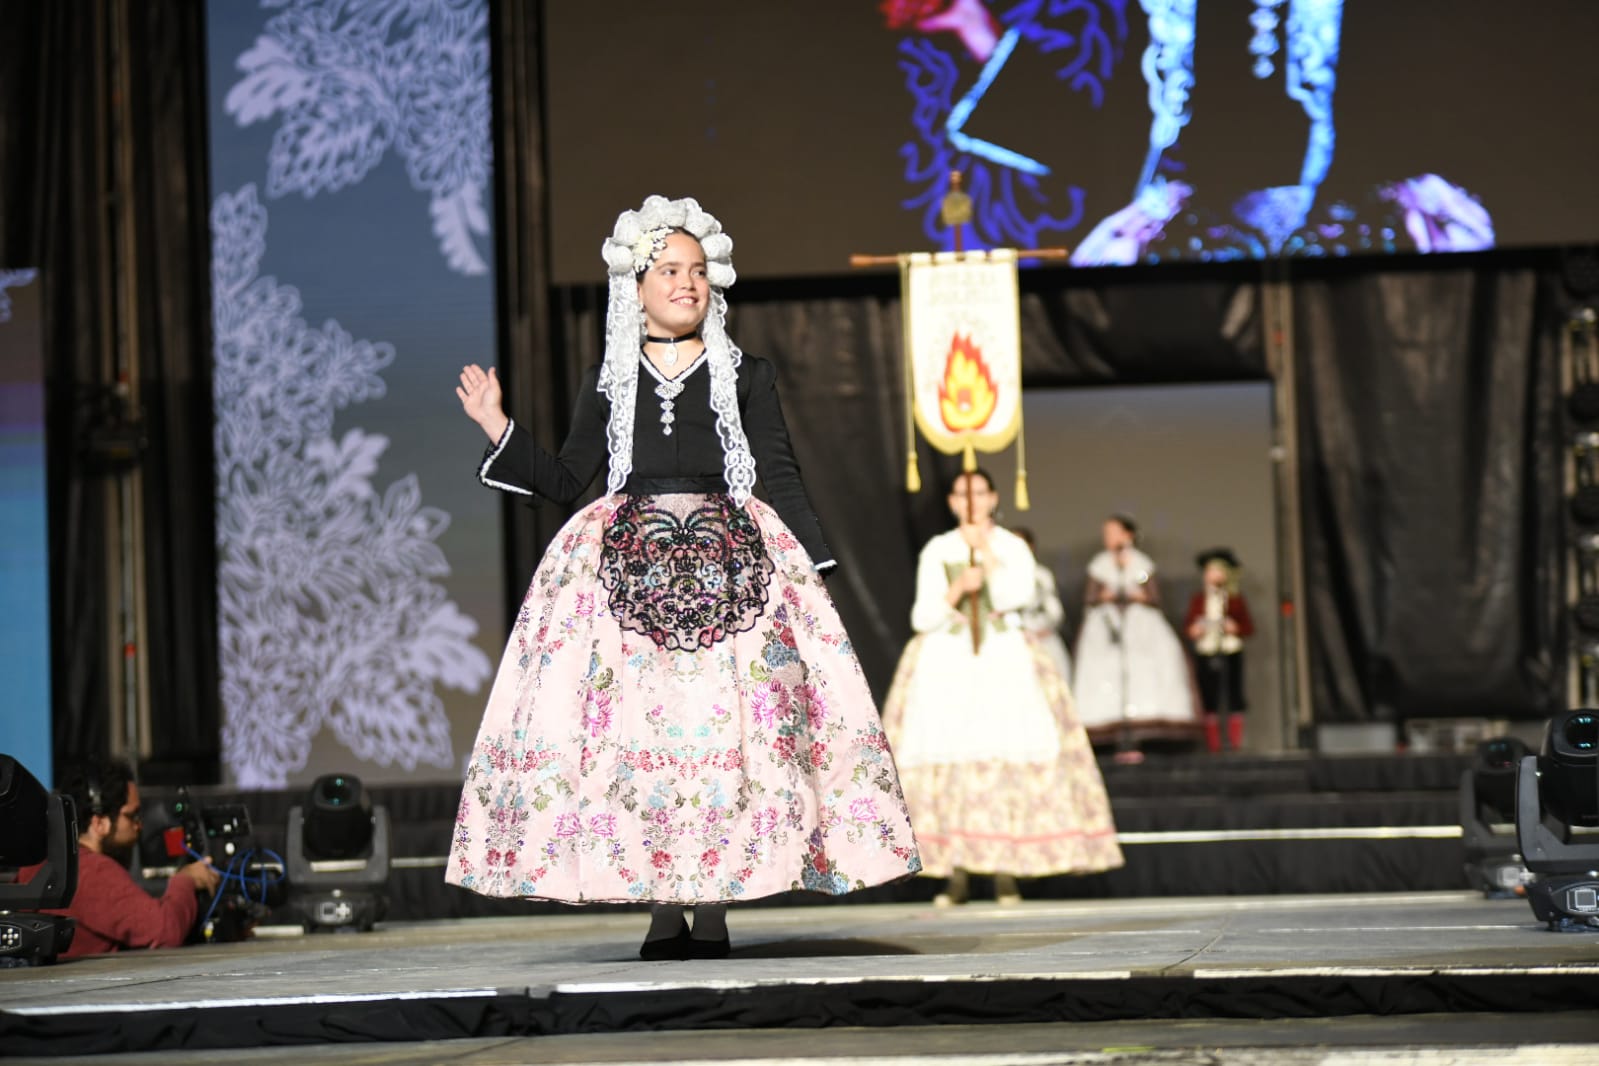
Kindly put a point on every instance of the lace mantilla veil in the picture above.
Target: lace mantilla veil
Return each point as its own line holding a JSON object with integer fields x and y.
{"x": 628, "y": 251}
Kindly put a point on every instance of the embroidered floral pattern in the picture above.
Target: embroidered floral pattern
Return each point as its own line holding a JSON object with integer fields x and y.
{"x": 348, "y": 82}
{"x": 331, "y": 611}
{"x": 685, "y": 580}
{"x": 615, "y": 766}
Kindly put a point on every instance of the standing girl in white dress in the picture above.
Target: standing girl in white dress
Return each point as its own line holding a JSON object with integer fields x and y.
{"x": 1132, "y": 680}
{"x": 997, "y": 772}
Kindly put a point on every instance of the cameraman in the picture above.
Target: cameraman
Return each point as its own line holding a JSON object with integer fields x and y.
{"x": 111, "y": 910}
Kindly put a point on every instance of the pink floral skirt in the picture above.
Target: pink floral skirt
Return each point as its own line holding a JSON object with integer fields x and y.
{"x": 679, "y": 717}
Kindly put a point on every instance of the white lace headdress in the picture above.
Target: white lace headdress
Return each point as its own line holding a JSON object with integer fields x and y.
{"x": 638, "y": 237}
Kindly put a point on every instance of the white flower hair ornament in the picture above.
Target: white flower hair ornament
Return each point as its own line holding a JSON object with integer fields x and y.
{"x": 649, "y": 245}
{"x": 635, "y": 241}
{"x": 639, "y": 236}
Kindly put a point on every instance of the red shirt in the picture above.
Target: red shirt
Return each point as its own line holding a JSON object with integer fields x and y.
{"x": 113, "y": 912}
{"x": 1237, "y": 610}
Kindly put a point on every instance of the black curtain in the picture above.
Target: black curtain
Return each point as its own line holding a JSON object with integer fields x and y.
{"x": 103, "y": 189}
{"x": 1431, "y": 480}
{"x": 52, "y": 216}
{"x": 1141, "y": 325}
{"x": 171, "y": 258}
{"x": 536, "y": 367}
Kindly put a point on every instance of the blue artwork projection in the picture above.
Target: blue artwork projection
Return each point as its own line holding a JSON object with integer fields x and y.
{"x": 359, "y": 579}
{"x": 1017, "y": 199}
{"x": 957, "y": 54}
{"x": 1123, "y": 131}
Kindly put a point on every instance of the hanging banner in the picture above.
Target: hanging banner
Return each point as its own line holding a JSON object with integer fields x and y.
{"x": 963, "y": 349}
{"x": 963, "y": 364}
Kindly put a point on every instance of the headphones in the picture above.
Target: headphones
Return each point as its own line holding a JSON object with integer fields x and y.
{"x": 91, "y": 785}
{"x": 94, "y": 791}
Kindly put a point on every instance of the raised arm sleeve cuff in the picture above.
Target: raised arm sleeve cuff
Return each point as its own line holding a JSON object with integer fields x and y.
{"x": 492, "y": 472}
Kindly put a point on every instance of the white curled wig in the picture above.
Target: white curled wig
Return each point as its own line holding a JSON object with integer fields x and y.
{"x": 629, "y": 250}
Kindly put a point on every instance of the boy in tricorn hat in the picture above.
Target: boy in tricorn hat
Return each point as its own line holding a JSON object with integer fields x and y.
{"x": 1217, "y": 624}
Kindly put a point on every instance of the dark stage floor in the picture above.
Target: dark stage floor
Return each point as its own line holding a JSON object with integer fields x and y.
{"x": 1411, "y": 1040}
{"x": 1242, "y": 970}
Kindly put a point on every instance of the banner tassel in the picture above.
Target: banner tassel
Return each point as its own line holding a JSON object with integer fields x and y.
{"x": 913, "y": 475}
{"x": 1023, "y": 501}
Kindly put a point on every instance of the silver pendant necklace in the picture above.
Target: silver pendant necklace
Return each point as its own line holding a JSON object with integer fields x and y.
{"x": 668, "y": 389}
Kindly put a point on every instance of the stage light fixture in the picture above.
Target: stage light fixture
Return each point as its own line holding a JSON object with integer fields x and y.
{"x": 1582, "y": 357}
{"x": 1588, "y": 673}
{"x": 338, "y": 856}
{"x": 1583, "y": 402}
{"x": 1584, "y": 503}
{"x": 1487, "y": 803}
{"x": 1557, "y": 806}
{"x": 36, "y": 826}
{"x": 339, "y": 823}
{"x": 1585, "y": 565}
{"x": 1586, "y": 614}
{"x": 1569, "y": 768}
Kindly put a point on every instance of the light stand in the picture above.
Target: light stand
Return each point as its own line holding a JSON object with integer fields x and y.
{"x": 1487, "y": 801}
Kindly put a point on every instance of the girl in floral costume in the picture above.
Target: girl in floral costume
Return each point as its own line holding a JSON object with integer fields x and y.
{"x": 679, "y": 716}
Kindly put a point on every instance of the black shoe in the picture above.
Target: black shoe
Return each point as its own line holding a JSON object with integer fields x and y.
{"x": 709, "y": 949}
{"x": 673, "y": 948}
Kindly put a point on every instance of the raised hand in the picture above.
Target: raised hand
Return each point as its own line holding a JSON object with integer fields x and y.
{"x": 480, "y": 396}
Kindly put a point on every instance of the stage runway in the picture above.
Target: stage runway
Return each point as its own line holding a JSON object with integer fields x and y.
{"x": 1234, "y": 963}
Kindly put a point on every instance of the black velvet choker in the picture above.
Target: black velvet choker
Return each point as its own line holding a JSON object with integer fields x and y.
{"x": 690, "y": 335}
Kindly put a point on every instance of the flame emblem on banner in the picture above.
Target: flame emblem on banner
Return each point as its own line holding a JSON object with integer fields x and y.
{"x": 967, "y": 396}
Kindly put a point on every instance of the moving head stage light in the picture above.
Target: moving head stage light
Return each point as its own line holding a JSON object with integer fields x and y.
{"x": 35, "y": 826}
{"x": 338, "y": 856}
{"x": 1488, "y": 801}
{"x": 1557, "y": 809}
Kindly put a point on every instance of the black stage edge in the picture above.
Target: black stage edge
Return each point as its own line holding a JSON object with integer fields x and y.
{"x": 863, "y": 1003}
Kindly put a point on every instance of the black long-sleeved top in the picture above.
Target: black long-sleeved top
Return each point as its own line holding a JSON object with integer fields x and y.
{"x": 689, "y": 459}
